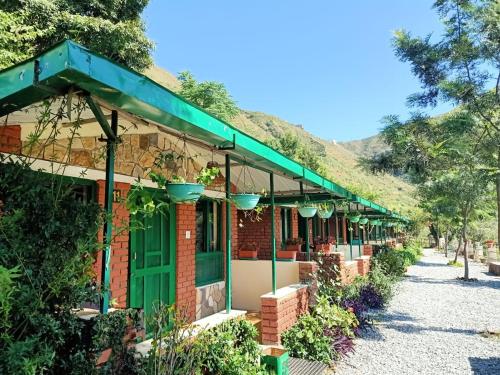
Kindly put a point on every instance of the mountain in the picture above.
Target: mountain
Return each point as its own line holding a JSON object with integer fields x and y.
{"x": 340, "y": 159}
{"x": 366, "y": 147}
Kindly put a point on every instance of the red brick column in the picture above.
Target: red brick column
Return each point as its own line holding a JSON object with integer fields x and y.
{"x": 185, "y": 291}
{"x": 295, "y": 223}
{"x": 10, "y": 139}
{"x": 367, "y": 250}
{"x": 280, "y": 311}
{"x": 363, "y": 265}
{"x": 119, "y": 246}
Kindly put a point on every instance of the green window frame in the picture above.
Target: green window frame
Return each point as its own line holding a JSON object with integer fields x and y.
{"x": 286, "y": 226}
{"x": 209, "y": 257}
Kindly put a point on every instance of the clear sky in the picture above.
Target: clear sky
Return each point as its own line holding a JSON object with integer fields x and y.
{"x": 325, "y": 64}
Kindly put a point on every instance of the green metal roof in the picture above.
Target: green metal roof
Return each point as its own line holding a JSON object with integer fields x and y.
{"x": 68, "y": 64}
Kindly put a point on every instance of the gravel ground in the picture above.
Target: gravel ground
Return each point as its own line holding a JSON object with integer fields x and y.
{"x": 433, "y": 325}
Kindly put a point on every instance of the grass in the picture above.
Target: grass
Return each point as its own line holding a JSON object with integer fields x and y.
{"x": 455, "y": 264}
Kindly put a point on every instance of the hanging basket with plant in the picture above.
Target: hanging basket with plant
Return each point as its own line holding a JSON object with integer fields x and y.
{"x": 363, "y": 221}
{"x": 307, "y": 209}
{"x": 353, "y": 217}
{"x": 325, "y": 210}
{"x": 248, "y": 199}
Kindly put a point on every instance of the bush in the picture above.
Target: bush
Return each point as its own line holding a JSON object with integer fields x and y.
{"x": 390, "y": 261}
{"x": 325, "y": 334}
{"x": 230, "y": 349}
{"x": 50, "y": 239}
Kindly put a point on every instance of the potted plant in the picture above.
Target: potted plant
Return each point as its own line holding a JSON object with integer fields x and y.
{"x": 181, "y": 191}
{"x": 363, "y": 221}
{"x": 292, "y": 246}
{"x": 246, "y": 200}
{"x": 307, "y": 209}
{"x": 374, "y": 222}
{"x": 249, "y": 251}
{"x": 353, "y": 217}
{"x": 325, "y": 210}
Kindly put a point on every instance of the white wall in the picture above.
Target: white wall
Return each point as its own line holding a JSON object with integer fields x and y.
{"x": 253, "y": 278}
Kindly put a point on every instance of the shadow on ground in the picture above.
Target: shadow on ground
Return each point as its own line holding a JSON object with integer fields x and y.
{"x": 485, "y": 366}
{"x": 494, "y": 284}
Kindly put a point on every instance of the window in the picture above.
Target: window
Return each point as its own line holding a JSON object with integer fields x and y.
{"x": 209, "y": 258}
{"x": 320, "y": 228}
{"x": 286, "y": 226}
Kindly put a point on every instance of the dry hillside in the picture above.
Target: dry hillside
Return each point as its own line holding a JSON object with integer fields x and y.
{"x": 341, "y": 159}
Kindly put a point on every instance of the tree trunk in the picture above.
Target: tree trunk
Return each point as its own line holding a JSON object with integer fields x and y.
{"x": 446, "y": 234}
{"x": 458, "y": 248}
{"x": 466, "y": 258}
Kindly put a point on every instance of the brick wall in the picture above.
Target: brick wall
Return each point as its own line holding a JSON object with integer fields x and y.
{"x": 10, "y": 138}
{"x": 368, "y": 250}
{"x": 185, "y": 291}
{"x": 363, "y": 265}
{"x": 295, "y": 223}
{"x": 281, "y": 311}
{"x": 234, "y": 231}
{"x": 260, "y": 231}
{"x": 119, "y": 247}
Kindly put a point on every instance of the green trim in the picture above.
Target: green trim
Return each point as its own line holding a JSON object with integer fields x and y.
{"x": 273, "y": 234}
{"x": 228, "y": 234}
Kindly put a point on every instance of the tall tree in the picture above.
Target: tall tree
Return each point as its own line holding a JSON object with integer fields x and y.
{"x": 111, "y": 27}
{"x": 210, "y": 95}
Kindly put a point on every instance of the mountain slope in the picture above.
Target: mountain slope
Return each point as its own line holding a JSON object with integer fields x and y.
{"x": 340, "y": 159}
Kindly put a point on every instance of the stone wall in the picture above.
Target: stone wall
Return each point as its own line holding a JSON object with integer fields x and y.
{"x": 210, "y": 299}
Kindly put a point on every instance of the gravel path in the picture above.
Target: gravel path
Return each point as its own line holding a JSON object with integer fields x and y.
{"x": 433, "y": 325}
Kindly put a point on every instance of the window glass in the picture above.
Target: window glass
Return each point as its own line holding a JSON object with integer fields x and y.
{"x": 208, "y": 226}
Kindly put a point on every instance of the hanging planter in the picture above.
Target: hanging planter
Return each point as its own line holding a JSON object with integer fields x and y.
{"x": 363, "y": 220}
{"x": 353, "y": 217}
{"x": 245, "y": 201}
{"x": 325, "y": 214}
{"x": 184, "y": 191}
{"x": 307, "y": 211}
{"x": 374, "y": 222}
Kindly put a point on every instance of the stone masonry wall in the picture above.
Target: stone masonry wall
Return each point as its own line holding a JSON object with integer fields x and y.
{"x": 210, "y": 299}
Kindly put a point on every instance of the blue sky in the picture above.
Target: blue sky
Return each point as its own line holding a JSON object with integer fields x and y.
{"x": 325, "y": 64}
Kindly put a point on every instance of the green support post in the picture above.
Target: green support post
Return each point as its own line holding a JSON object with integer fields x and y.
{"x": 228, "y": 235}
{"x": 306, "y": 239}
{"x": 350, "y": 231}
{"x": 335, "y": 227}
{"x": 108, "y": 206}
{"x": 359, "y": 239}
{"x": 273, "y": 233}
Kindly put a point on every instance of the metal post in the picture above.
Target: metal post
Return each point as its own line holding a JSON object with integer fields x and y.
{"x": 359, "y": 239}
{"x": 228, "y": 235}
{"x": 273, "y": 233}
{"x": 350, "y": 232}
{"x": 108, "y": 206}
{"x": 306, "y": 239}
{"x": 335, "y": 227}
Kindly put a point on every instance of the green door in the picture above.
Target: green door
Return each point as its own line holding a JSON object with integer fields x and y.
{"x": 152, "y": 265}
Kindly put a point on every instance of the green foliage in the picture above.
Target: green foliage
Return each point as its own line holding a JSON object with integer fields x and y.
{"x": 207, "y": 175}
{"x": 291, "y": 146}
{"x": 49, "y": 238}
{"x": 390, "y": 261}
{"x": 455, "y": 263}
{"x": 173, "y": 350}
{"x": 209, "y": 95}
{"x": 113, "y": 28}
{"x": 310, "y": 337}
{"x": 7, "y": 288}
{"x": 230, "y": 349}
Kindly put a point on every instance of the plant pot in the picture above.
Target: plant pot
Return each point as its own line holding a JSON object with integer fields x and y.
{"x": 248, "y": 254}
{"x": 363, "y": 220}
{"x": 374, "y": 222}
{"x": 325, "y": 214}
{"x": 354, "y": 219}
{"x": 276, "y": 360}
{"x": 295, "y": 247}
{"x": 286, "y": 255}
{"x": 245, "y": 201}
{"x": 184, "y": 192}
{"x": 307, "y": 211}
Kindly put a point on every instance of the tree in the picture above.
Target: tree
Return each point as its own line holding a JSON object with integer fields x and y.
{"x": 209, "y": 95}
{"x": 462, "y": 68}
{"x": 111, "y": 27}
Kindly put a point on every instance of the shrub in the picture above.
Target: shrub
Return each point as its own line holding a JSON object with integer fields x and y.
{"x": 359, "y": 309}
{"x": 50, "y": 238}
{"x": 370, "y": 297}
{"x": 390, "y": 261}
{"x": 230, "y": 349}
{"x": 324, "y": 334}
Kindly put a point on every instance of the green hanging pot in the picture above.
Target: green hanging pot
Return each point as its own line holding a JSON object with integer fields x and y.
{"x": 245, "y": 201}
{"x": 374, "y": 222}
{"x": 307, "y": 211}
{"x": 354, "y": 218}
{"x": 363, "y": 220}
{"x": 184, "y": 192}
{"x": 325, "y": 214}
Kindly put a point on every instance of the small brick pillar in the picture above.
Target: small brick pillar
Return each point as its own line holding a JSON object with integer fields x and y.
{"x": 363, "y": 265}
{"x": 368, "y": 250}
{"x": 119, "y": 247}
{"x": 10, "y": 139}
{"x": 348, "y": 270}
{"x": 307, "y": 277}
{"x": 280, "y": 311}
{"x": 185, "y": 291}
